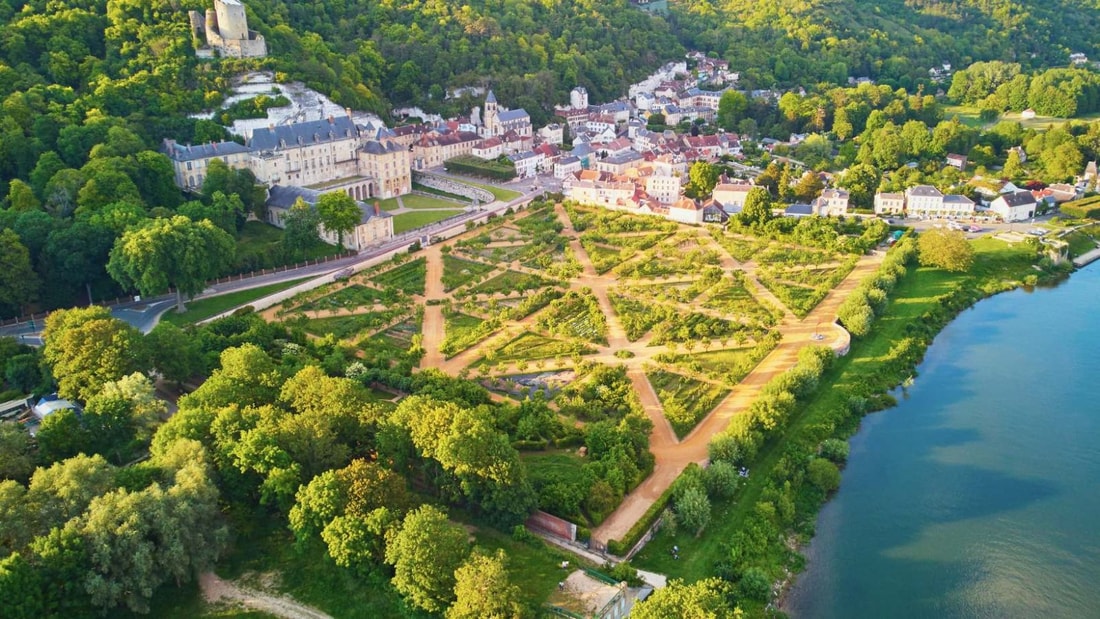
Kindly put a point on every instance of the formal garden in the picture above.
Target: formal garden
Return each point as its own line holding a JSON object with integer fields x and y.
{"x": 585, "y": 319}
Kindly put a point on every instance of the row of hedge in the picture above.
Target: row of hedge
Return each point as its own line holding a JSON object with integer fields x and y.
{"x": 868, "y": 301}
{"x": 476, "y": 166}
{"x": 623, "y": 546}
{"x": 1087, "y": 208}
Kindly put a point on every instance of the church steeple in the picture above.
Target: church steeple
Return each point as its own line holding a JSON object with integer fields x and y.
{"x": 490, "y": 116}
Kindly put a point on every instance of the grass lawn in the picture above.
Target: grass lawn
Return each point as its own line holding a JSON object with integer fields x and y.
{"x": 389, "y": 204}
{"x": 1082, "y": 241}
{"x": 212, "y": 306}
{"x": 440, "y": 192}
{"x": 416, "y": 201}
{"x": 1043, "y": 122}
{"x": 408, "y": 278}
{"x": 186, "y": 602}
{"x": 417, "y": 219}
{"x": 263, "y": 239}
{"x": 458, "y": 272}
{"x": 914, "y": 295}
{"x": 685, "y": 400}
{"x": 968, "y": 115}
{"x": 504, "y": 195}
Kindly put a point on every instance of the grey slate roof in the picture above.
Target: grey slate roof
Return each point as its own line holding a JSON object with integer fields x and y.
{"x": 302, "y": 134}
{"x": 282, "y": 197}
{"x": 799, "y": 209}
{"x": 924, "y": 191}
{"x": 380, "y": 148}
{"x": 179, "y": 152}
{"x": 510, "y": 115}
{"x": 490, "y": 98}
{"x": 1018, "y": 198}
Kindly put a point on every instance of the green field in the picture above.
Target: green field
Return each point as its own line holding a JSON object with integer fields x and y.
{"x": 212, "y": 306}
{"x": 501, "y": 194}
{"x": 462, "y": 331}
{"x": 265, "y": 240}
{"x": 418, "y": 219}
{"x": 389, "y": 204}
{"x": 416, "y": 201}
{"x": 508, "y": 282}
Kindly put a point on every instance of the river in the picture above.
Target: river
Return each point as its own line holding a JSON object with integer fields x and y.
{"x": 979, "y": 494}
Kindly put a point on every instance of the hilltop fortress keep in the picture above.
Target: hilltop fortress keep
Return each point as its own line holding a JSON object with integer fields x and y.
{"x": 225, "y": 29}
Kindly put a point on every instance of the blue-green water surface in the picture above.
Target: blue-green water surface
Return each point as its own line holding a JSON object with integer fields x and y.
{"x": 979, "y": 494}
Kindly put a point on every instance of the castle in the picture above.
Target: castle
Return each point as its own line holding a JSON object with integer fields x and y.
{"x": 225, "y": 29}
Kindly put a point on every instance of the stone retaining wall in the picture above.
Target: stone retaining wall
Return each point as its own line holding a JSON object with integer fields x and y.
{"x": 455, "y": 187}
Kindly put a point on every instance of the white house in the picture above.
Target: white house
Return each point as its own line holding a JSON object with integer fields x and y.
{"x": 528, "y": 163}
{"x": 832, "y": 203}
{"x": 731, "y": 195}
{"x": 566, "y": 166}
{"x": 1015, "y": 206}
{"x": 923, "y": 201}
{"x": 686, "y": 211}
{"x": 489, "y": 148}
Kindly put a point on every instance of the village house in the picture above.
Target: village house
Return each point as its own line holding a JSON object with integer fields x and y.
{"x": 567, "y": 166}
{"x": 889, "y": 203}
{"x": 489, "y": 148}
{"x": 1015, "y": 206}
{"x": 685, "y": 211}
{"x": 619, "y": 164}
{"x": 433, "y": 149}
{"x": 956, "y": 161}
{"x": 731, "y": 196}
{"x": 923, "y": 201}
{"x": 831, "y": 203}
{"x": 528, "y": 163}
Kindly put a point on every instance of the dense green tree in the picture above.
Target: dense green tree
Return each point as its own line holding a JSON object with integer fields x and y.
{"x": 861, "y": 181}
{"x": 18, "y": 281}
{"x": 338, "y": 213}
{"x": 301, "y": 228}
{"x": 87, "y": 347}
{"x": 21, "y": 197}
{"x": 808, "y": 187}
{"x": 731, "y": 109}
{"x": 175, "y": 252}
{"x": 16, "y": 456}
{"x": 483, "y": 589}
{"x": 1013, "y": 168}
{"x": 704, "y": 599}
{"x": 758, "y": 207}
{"x": 946, "y": 249}
{"x": 823, "y": 474}
{"x": 174, "y": 353}
{"x": 425, "y": 553}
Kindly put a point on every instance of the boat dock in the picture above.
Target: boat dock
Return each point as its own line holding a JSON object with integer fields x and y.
{"x": 1087, "y": 258}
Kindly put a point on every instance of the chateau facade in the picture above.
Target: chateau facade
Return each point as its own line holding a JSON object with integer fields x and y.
{"x": 332, "y": 154}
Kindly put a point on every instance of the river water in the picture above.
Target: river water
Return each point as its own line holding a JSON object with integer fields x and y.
{"x": 979, "y": 494}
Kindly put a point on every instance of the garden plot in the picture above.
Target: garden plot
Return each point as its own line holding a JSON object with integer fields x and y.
{"x": 802, "y": 288}
{"x": 576, "y": 315}
{"x": 508, "y": 282}
{"x": 685, "y": 400}
{"x": 731, "y": 296}
{"x": 532, "y": 347}
{"x": 604, "y": 221}
{"x": 346, "y": 327}
{"x": 353, "y": 297}
{"x": 458, "y": 272}
{"x": 463, "y": 331}
{"x": 664, "y": 261}
{"x": 408, "y": 278}
{"x": 528, "y": 385}
{"x": 729, "y": 365}
{"x": 605, "y": 258}
{"x": 742, "y": 248}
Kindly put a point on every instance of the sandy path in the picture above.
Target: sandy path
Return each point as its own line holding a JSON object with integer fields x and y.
{"x": 215, "y": 590}
{"x": 432, "y": 327}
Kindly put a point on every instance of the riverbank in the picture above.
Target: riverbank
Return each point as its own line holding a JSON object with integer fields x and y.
{"x": 759, "y": 531}
{"x": 975, "y": 496}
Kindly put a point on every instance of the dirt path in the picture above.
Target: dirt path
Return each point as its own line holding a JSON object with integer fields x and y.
{"x": 432, "y": 327}
{"x": 216, "y": 590}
